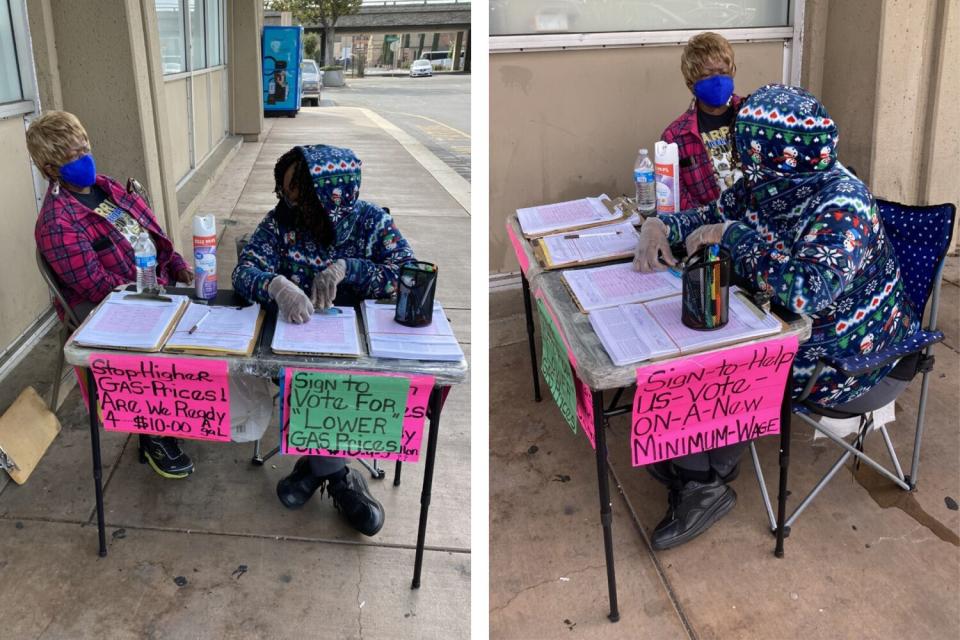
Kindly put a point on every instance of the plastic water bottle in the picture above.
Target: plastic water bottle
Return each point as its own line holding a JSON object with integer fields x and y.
{"x": 646, "y": 187}
{"x": 146, "y": 258}
{"x": 205, "y": 255}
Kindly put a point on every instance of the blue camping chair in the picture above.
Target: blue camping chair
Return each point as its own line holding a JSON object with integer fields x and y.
{"x": 920, "y": 236}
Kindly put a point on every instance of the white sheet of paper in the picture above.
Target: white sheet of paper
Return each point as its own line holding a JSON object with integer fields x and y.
{"x": 564, "y": 215}
{"x": 129, "y": 323}
{"x": 380, "y": 319}
{"x": 389, "y": 339}
{"x": 617, "y": 284}
{"x": 591, "y": 244}
{"x": 324, "y": 333}
{"x": 742, "y": 323}
{"x": 221, "y": 328}
{"x": 629, "y": 334}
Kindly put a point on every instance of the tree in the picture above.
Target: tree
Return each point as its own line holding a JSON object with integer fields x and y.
{"x": 310, "y": 44}
{"x": 325, "y": 13}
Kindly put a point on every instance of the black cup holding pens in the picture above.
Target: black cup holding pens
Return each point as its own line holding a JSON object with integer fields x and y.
{"x": 706, "y": 288}
{"x": 417, "y": 286}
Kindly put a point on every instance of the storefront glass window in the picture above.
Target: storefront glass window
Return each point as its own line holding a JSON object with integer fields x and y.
{"x": 10, "y": 89}
{"x": 172, "y": 48}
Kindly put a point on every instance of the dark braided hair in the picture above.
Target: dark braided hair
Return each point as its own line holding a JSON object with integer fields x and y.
{"x": 309, "y": 213}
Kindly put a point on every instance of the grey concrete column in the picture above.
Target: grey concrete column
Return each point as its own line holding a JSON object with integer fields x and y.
{"x": 104, "y": 64}
{"x": 456, "y": 51}
{"x": 45, "y": 53}
{"x": 244, "y": 28}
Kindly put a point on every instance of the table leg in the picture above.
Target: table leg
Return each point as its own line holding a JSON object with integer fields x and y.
{"x": 786, "y": 413}
{"x": 528, "y": 310}
{"x": 396, "y": 473}
{"x": 606, "y": 514}
{"x": 97, "y": 465}
{"x": 436, "y": 404}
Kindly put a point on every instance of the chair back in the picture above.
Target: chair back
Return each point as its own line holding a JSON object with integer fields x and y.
{"x": 70, "y": 318}
{"x": 920, "y": 236}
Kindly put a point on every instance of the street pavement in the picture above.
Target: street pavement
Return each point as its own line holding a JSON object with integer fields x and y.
{"x": 216, "y": 555}
{"x": 434, "y": 110}
{"x": 865, "y": 560}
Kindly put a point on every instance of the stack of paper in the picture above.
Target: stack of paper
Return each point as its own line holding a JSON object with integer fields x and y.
{"x": 638, "y": 332}
{"x": 126, "y": 322}
{"x": 606, "y": 242}
{"x": 618, "y": 284}
{"x": 330, "y": 333}
{"x": 573, "y": 214}
{"x": 217, "y": 329}
{"x": 389, "y": 339}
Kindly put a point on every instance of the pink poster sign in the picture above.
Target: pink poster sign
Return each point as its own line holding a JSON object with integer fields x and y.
{"x": 518, "y": 249}
{"x": 708, "y": 401}
{"x": 361, "y": 442}
{"x": 179, "y": 397}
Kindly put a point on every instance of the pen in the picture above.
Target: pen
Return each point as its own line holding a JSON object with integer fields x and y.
{"x": 194, "y": 327}
{"x": 574, "y": 236}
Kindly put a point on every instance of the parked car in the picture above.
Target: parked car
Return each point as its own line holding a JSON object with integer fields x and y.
{"x": 421, "y": 68}
{"x": 312, "y": 79}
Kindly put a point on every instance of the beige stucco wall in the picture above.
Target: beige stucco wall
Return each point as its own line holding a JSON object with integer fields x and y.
{"x": 22, "y": 291}
{"x": 244, "y": 23}
{"x": 886, "y": 69}
{"x": 567, "y": 124}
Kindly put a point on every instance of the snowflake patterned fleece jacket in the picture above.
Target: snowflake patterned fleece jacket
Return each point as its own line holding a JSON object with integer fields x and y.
{"x": 367, "y": 239}
{"x": 804, "y": 228}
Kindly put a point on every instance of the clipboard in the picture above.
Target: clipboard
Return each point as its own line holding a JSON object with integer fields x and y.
{"x": 269, "y": 340}
{"x": 212, "y": 351}
{"x": 617, "y": 211}
{"x": 78, "y": 338}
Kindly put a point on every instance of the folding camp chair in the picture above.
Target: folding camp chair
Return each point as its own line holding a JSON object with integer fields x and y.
{"x": 258, "y": 457}
{"x": 920, "y": 236}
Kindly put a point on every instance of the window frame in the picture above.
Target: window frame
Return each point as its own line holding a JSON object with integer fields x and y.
{"x": 27, "y": 102}
{"x": 187, "y": 32}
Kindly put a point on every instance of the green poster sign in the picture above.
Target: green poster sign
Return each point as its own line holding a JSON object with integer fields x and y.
{"x": 555, "y": 367}
{"x": 344, "y": 412}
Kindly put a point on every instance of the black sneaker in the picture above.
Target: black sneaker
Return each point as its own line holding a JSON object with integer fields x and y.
{"x": 299, "y": 486}
{"x": 352, "y": 499}
{"x": 164, "y": 455}
{"x": 693, "y": 509}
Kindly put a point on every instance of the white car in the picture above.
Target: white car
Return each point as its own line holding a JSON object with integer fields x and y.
{"x": 421, "y": 68}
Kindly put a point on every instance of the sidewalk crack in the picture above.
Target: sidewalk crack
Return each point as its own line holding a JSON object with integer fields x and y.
{"x": 540, "y": 584}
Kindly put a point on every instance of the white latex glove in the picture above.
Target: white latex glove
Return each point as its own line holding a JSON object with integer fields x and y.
{"x": 703, "y": 236}
{"x": 325, "y": 283}
{"x": 653, "y": 244}
{"x": 294, "y": 304}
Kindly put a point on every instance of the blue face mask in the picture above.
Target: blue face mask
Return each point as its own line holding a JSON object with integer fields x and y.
{"x": 82, "y": 172}
{"x": 714, "y": 91}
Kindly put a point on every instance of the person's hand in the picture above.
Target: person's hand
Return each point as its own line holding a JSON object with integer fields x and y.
{"x": 185, "y": 276}
{"x": 325, "y": 283}
{"x": 704, "y": 235}
{"x": 651, "y": 246}
{"x": 294, "y": 304}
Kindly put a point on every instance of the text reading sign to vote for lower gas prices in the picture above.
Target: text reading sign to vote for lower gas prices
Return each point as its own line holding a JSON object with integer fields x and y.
{"x": 708, "y": 401}
{"x": 184, "y": 398}
{"x": 362, "y": 415}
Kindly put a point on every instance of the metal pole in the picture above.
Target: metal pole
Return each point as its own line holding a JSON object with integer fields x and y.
{"x": 528, "y": 310}
{"x": 785, "y": 415}
{"x": 97, "y": 466}
{"x": 606, "y": 513}
{"x": 436, "y": 403}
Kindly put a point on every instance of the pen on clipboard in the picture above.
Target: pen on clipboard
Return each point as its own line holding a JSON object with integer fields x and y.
{"x": 574, "y": 236}
{"x": 199, "y": 322}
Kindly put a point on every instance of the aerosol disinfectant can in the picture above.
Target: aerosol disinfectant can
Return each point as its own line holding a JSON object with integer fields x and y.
{"x": 205, "y": 255}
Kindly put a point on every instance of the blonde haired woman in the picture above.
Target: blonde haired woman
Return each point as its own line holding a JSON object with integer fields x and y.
{"x": 86, "y": 231}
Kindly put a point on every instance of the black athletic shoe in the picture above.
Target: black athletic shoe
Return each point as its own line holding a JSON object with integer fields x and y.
{"x": 693, "y": 509}
{"x": 352, "y": 499}
{"x": 164, "y": 455}
{"x": 299, "y": 486}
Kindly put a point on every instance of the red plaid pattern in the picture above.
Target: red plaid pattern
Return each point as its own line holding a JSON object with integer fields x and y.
{"x": 698, "y": 179}
{"x": 67, "y": 232}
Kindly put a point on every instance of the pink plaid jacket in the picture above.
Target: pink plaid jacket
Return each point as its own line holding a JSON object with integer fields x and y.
{"x": 698, "y": 180}
{"x": 89, "y": 256}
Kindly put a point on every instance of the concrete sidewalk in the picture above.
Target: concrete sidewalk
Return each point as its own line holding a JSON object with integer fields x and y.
{"x": 865, "y": 560}
{"x": 216, "y": 555}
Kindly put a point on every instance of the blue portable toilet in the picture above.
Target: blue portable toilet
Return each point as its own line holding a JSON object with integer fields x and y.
{"x": 281, "y": 52}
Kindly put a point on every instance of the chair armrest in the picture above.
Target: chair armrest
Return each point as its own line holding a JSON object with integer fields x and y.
{"x": 858, "y": 365}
